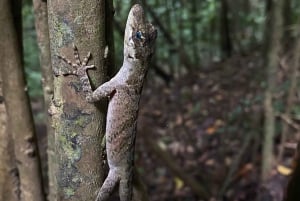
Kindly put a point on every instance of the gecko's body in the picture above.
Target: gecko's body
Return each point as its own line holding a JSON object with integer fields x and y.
{"x": 124, "y": 91}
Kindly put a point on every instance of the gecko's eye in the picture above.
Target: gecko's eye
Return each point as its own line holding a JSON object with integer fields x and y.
{"x": 138, "y": 35}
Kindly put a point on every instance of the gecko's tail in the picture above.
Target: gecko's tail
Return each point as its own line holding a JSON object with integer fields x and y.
{"x": 107, "y": 187}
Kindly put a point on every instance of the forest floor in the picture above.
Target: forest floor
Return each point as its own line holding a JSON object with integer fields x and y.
{"x": 204, "y": 133}
{"x": 206, "y": 127}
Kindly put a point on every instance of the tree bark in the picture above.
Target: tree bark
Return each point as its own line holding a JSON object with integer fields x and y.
{"x": 42, "y": 30}
{"x": 271, "y": 64}
{"x": 20, "y": 121}
{"x": 9, "y": 179}
{"x": 78, "y": 125}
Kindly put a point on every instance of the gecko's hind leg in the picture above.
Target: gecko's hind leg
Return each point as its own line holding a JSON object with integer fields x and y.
{"x": 125, "y": 189}
{"x": 107, "y": 187}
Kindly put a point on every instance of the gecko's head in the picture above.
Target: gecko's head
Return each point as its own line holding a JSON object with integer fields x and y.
{"x": 139, "y": 36}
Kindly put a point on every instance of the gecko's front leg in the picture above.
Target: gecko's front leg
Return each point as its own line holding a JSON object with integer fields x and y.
{"x": 80, "y": 70}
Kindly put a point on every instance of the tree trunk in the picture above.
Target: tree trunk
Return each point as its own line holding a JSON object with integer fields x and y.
{"x": 271, "y": 64}
{"x": 78, "y": 125}
{"x": 195, "y": 34}
{"x": 294, "y": 74}
{"x": 42, "y": 30}
{"x": 292, "y": 191}
{"x": 20, "y": 121}
{"x": 9, "y": 180}
{"x": 110, "y": 59}
{"x": 226, "y": 46}
{"x": 287, "y": 22}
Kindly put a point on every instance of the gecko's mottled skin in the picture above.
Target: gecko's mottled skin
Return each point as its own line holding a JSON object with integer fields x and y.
{"x": 124, "y": 91}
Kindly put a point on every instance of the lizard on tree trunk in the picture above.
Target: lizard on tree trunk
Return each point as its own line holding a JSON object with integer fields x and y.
{"x": 124, "y": 91}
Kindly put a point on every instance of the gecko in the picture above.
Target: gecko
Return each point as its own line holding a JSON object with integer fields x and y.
{"x": 123, "y": 91}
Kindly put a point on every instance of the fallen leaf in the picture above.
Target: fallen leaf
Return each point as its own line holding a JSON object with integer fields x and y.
{"x": 178, "y": 183}
{"x": 284, "y": 170}
{"x": 211, "y": 130}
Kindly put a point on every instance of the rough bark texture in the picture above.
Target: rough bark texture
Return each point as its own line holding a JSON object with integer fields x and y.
{"x": 20, "y": 120}
{"x": 271, "y": 65}
{"x": 79, "y": 126}
{"x": 9, "y": 179}
{"x": 42, "y": 30}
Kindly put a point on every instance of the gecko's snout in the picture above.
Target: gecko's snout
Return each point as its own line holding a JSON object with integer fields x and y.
{"x": 137, "y": 7}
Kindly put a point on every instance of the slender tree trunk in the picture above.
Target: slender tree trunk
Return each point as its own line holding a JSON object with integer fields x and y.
{"x": 226, "y": 44}
{"x": 268, "y": 6}
{"x": 294, "y": 74}
{"x": 194, "y": 29}
{"x": 287, "y": 22}
{"x": 20, "y": 121}
{"x": 42, "y": 30}
{"x": 292, "y": 191}
{"x": 79, "y": 125}
{"x": 110, "y": 59}
{"x": 9, "y": 179}
{"x": 271, "y": 65}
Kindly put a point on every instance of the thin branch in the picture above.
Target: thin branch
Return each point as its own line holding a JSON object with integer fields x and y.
{"x": 167, "y": 159}
{"x": 230, "y": 177}
{"x": 289, "y": 122}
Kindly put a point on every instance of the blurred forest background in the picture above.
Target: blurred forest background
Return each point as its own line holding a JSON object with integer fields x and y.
{"x": 220, "y": 109}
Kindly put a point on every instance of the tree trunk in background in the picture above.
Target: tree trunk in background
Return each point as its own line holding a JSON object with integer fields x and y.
{"x": 271, "y": 63}
{"x": 9, "y": 180}
{"x": 110, "y": 59}
{"x": 20, "y": 121}
{"x": 226, "y": 44}
{"x": 195, "y": 34}
{"x": 268, "y": 6}
{"x": 287, "y": 22}
{"x": 42, "y": 30}
{"x": 79, "y": 125}
{"x": 292, "y": 191}
{"x": 290, "y": 101}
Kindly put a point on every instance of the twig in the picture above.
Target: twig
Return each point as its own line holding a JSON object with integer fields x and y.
{"x": 173, "y": 167}
{"x": 235, "y": 164}
{"x": 289, "y": 121}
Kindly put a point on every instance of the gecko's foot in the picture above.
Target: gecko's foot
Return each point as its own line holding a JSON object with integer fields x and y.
{"x": 78, "y": 68}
